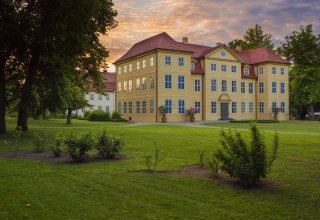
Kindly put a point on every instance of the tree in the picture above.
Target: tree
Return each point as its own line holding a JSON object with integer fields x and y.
{"x": 302, "y": 48}
{"x": 252, "y": 39}
{"x": 62, "y": 40}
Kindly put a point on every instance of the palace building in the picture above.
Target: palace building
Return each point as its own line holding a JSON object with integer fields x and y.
{"x": 221, "y": 83}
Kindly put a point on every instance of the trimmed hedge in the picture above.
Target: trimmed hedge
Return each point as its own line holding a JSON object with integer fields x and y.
{"x": 98, "y": 115}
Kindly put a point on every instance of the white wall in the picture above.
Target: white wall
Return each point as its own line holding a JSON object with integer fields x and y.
{"x": 107, "y": 101}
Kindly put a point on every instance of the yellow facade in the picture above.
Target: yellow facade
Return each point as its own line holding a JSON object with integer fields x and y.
{"x": 198, "y": 88}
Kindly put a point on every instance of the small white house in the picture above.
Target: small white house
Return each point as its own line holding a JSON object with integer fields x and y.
{"x": 101, "y": 102}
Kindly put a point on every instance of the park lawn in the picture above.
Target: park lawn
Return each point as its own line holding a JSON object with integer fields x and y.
{"x": 284, "y": 126}
{"x": 111, "y": 190}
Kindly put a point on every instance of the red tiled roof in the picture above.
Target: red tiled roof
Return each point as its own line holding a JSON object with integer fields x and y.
{"x": 110, "y": 81}
{"x": 260, "y": 55}
{"x": 198, "y": 50}
{"x": 160, "y": 41}
{"x": 197, "y": 68}
{"x": 251, "y": 75}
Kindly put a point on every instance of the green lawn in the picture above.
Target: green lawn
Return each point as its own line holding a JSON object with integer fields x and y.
{"x": 112, "y": 191}
{"x": 285, "y": 126}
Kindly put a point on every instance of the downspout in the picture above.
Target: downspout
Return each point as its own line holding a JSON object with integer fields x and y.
{"x": 156, "y": 86}
{"x": 203, "y": 101}
{"x": 256, "y": 95}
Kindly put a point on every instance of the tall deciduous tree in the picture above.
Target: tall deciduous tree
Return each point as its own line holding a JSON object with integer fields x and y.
{"x": 63, "y": 39}
{"x": 303, "y": 49}
{"x": 252, "y": 39}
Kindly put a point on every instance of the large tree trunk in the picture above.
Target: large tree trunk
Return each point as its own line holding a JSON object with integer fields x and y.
{"x": 69, "y": 116}
{"x": 3, "y": 128}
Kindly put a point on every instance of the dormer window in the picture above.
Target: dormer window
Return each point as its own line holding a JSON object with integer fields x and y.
{"x": 246, "y": 71}
{"x": 193, "y": 67}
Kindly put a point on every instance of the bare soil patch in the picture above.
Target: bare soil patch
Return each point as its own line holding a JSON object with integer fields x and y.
{"x": 48, "y": 157}
{"x": 222, "y": 178}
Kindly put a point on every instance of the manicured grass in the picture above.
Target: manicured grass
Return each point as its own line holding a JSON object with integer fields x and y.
{"x": 36, "y": 190}
{"x": 286, "y": 126}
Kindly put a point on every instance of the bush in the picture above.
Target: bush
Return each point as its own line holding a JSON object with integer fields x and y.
{"x": 153, "y": 161}
{"x": 109, "y": 146}
{"x": 98, "y": 115}
{"x": 116, "y": 116}
{"x": 78, "y": 145}
{"x": 58, "y": 149}
{"x": 245, "y": 161}
{"x": 40, "y": 142}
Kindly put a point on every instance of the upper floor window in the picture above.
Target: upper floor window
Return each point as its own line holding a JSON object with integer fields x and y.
{"x": 144, "y": 83}
{"x": 181, "y": 106}
{"x": 224, "y": 68}
{"x": 213, "y": 85}
{"x": 234, "y": 69}
{"x": 180, "y": 82}
{"x": 144, "y": 64}
{"x": 261, "y": 70}
{"x": 243, "y": 87}
{"x": 125, "y": 86}
{"x": 273, "y": 70}
{"x": 246, "y": 71}
{"x": 193, "y": 67}
{"x": 125, "y": 69}
{"x": 213, "y": 66}
{"x": 119, "y": 70}
{"x": 92, "y": 96}
{"x": 151, "y": 61}
{"x": 138, "y": 65}
{"x": 138, "y": 84}
{"x": 250, "y": 87}
{"x": 167, "y": 82}
{"x": 151, "y": 83}
{"x": 130, "y": 67}
{"x": 282, "y": 88}
{"x": 234, "y": 86}
{"x": 107, "y": 97}
{"x": 119, "y": 87}
{"x": 197, "y": 85}
{"x": 181, "y": 61}
{"x": 107, "y": 108}
{"x": 197, "y": 106}
{"x": 274, "y": 87}
{"x": 282, "y": 71}
{"x": 224, "y": 85}
{"x": 168, "y": 60}
{"x": 168, "y": 105}
{"x": 261, "y": 87}
{"x": 130, "y": 86}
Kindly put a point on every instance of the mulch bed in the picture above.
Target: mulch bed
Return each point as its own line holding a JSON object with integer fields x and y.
{"x": 221, "y": 178}
{"x": 48, "y": 157}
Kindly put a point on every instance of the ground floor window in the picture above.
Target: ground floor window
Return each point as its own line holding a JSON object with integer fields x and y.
{"x": 283, "y": 107}
{"x": 168, "y": 105}
{"x": 100, "y": 108}
{"x": 151, "y": 106}
{"x": 234, "y": 107}
{"x": 250, "y": 107}
{"x": 119, "y": 107}
{"x": 124, "y": 107}
{"x": 144, "y": 107}
{"x": 138, "y": 107}
{"x": 181, "y": 106}
{"x": 197, "y": 106}
{"x": 213, "y": 107}
{"x": 243, "y": 107}
{"x": 107, "y": 109}
{"x": 130, "y": 107}
{"x": 261, "y": 107}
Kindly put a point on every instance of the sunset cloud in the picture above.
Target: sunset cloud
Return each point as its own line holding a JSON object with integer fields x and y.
{"x": 206, "y": 21}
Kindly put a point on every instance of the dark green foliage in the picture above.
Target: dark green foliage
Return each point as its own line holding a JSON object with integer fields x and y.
{"x": 202, "y": 158}
{"x": 116, "y": 116}
{"x": 152, "y": 162}
{"x": 40, "y": 142}
{"x": 98, "y": 115}
{"x": 246, "y": 161}
{"x": 78, "y": 145}
{"x": 58, "y": 148}
{"x": 109, "y": 146}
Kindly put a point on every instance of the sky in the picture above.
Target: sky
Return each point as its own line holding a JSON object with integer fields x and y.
{"x": 206, "y": 22}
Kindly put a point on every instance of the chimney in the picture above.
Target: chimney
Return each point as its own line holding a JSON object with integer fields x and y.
{"x": 238, "y": 48}
{"x": 185, "y": 40}
{"x": 218, "y": 44}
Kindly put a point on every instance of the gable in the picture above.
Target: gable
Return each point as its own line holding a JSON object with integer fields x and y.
{"x": 223, "y": 53}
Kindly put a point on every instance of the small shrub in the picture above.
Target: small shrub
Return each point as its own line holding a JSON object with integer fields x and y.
{"x": 202, "y": 157}
{"x": 78, "y": 145}
{"x": 58, "y": 149}
{"x": 98, "y": 115}
{"x": 116, "y": 116}
{"x": 213, "y": 166}
{"x": 152, "y": 162}
{"x": 39, "y": 142}
{"x": 243, "y": 160}
{"x": 109, "y": 146}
